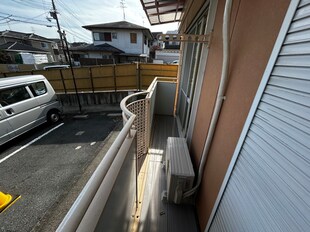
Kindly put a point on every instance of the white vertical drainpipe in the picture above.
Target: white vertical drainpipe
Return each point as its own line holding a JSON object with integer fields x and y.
{"x": 220, "y": 96}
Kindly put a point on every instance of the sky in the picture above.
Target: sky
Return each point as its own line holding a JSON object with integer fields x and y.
{"x": 32, "y": 16}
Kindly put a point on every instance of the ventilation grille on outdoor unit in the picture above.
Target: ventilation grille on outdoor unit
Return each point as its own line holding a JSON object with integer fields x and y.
{"x": 179, "y": 169}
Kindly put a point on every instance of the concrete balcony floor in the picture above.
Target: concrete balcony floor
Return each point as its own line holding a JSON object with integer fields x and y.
{"x": 154, "y": 214}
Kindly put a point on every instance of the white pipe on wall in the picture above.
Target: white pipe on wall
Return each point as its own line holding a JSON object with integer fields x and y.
{"x": 220, "y": 96}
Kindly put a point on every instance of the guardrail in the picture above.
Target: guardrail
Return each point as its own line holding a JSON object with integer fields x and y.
{"x": 107, "y": 200}
{"x": 142, "y": 105}
{"x": 88, "y": 207}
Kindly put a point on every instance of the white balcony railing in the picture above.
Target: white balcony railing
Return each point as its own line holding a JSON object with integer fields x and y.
{"x": 142, "y": 106}
{"x": 109, "y": 197}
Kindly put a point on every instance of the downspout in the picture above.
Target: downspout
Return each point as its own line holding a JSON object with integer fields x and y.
{"x": 220, "y": 96}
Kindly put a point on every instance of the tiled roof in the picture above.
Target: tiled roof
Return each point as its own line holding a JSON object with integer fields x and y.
{"x": 18, "y": 47}
{"x": 116, "y": 25}
{"x": 21, "y": 35}
{"x": 119, "y": 25}
{"x": 102, "y": 47}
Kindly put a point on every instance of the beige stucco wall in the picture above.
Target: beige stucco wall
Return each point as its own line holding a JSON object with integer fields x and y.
{"x": 254, "y": 29}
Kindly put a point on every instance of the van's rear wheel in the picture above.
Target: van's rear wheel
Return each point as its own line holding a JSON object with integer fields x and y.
{"x": 53, "y": 117}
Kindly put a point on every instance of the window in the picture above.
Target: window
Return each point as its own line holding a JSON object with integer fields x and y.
{"x": 56, "y": 51}
{"x": 191, "y": 64}
{"x": 38, "y": 88}
{"x": 13, "y": 95}
{"x": 44, "y": 45}
{"x": 133, "y": 37}
{"x": 106, "y": 57}
{"x": 114, "y": 35}
{"x": 145, "y": 40}
{"x": 102, "y": 36}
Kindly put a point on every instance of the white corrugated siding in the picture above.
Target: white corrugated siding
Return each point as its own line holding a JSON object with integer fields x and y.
{"x": 269, "y": 188}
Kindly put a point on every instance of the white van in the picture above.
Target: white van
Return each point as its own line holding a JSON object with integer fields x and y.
{"x": 26, "y": 102}
{"x": 60, "y": 66}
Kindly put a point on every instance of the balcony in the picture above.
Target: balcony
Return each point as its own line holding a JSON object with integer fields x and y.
{"x": 125, "y": 191}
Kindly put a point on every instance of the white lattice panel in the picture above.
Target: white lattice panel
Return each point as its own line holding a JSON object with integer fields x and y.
{"x": 141, "y": 123}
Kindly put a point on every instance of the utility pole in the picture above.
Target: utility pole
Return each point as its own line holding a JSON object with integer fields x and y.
{"x": 54, "y": 16}
{"x": 72, "y": 73}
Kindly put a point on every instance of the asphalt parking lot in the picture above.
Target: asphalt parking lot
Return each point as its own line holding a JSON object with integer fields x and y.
{"x": 49, "y": 166}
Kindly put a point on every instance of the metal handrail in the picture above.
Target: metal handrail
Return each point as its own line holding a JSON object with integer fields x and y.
{"x": 73, "y": 219}
{"x": 156, "y": 80}
{"x": 80, "y": 206}
{"x": 152, "y": 86}
{"x": 126, "y": 113}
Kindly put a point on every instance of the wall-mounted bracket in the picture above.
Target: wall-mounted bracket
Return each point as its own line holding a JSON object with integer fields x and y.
{"x": 184, "y": 38}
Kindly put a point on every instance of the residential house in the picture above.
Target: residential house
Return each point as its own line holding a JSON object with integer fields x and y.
{"x": 24, "y": 54}
{"x": 95, "y": 55}
{"x": 41, "y": 48}
{"x": 62, "y": 51}
{"x": 170, "y": 51}
{"x": 243, "y": 97}
{"x": 156, "y": 44}
{"x": 131, "y": 41}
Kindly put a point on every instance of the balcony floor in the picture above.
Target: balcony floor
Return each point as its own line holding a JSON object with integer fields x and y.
{"x": 155, "y": 214}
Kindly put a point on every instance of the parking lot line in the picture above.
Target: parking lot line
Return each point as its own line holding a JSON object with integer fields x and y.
{"x": 31, "y": 142}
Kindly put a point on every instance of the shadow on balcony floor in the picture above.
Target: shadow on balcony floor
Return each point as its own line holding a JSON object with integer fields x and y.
{"x": 157, "y": 215}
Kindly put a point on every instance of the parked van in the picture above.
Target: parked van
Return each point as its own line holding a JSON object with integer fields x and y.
{"x": 60, "y": 66}
{"x": 26, "y": 102}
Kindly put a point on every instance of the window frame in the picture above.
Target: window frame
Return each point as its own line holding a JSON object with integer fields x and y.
{"x": 8, "y": 103}
{"x": 37, "y": 92}
{"x": 102, "y": 36}
{"x": 133, "y": 37}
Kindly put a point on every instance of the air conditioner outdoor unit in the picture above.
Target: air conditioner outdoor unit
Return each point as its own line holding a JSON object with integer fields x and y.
{"x": 179, "y": 169}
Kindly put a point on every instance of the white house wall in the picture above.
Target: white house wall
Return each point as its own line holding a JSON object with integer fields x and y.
{"x": 95, "y": 55}
{"x": 123, "y": 41}
{"x": 167, "y": 55}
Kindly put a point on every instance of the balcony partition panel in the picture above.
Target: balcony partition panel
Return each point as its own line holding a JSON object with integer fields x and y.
{"x": 137, "y": 104}
{"x": 158, "y": 99}
{"x": 165, "y": 98}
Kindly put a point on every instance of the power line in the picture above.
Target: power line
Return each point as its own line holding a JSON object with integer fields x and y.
{"x": 73, "y": 24}
{"x": 68, "y": 9}
{"x": 68, "y": 16}
{"x": 21, "y": 19}
{"x": 25, "y": 18}
{"x": 69, "y": 26}
{"x": 80, "y": 36}
{"x": 31, "y": 4}
{"x": 16, "y": 21}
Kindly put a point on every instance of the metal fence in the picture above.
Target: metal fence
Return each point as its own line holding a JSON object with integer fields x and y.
{"x": 103, "y": 78}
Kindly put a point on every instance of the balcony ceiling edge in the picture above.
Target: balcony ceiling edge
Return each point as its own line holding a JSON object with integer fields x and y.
{"x": 163, "y": 11}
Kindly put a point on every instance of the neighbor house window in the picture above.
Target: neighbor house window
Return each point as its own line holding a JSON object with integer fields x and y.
{"x": 102, "y": 36}
{"x": 114, "y": 35}
{"x": 43, "y": 45}
{"x": 133, "y": 37}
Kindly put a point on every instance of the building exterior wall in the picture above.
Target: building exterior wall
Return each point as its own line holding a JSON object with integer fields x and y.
{"x": 167, "y": 55}
{"x": 47, "y": 46}
{"x": 254, "y": 29}
{"x": 99, "y": 55}
{"x": 123, "y": 41}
